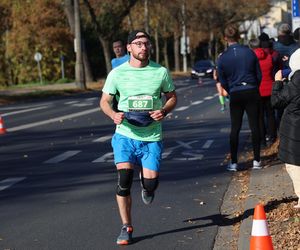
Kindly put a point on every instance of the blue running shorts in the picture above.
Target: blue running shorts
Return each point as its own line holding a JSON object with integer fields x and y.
{"x": 142, "y": 153}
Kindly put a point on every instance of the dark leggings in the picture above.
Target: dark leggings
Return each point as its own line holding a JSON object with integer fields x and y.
{"x": 249, "y": 101}
{"x": 269, "y": 126}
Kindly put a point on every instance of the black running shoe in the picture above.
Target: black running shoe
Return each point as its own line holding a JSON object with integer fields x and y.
{"x": 125, "y": 236}
{"x": 147, "y": 197}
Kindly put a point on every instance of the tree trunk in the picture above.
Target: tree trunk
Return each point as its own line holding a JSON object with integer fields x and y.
{"x": 8, "y": 69}
{"x": 192, "y": 56}
{"x": 106, "y": 50}
{"x": 176, "y": 51}
{"x": 146, "y": 17}
{"x": 210, "y": 45}
{"x": 156, "y": 45}
{"x": 102, "y": 35}
{"x": 86, "y": 64}
{"x": 216, "y": 48}
{"x": 69, "y": 11}
{"x": 79, "y": 73}
{"x": 165, "y": 51}
{"x": 130, "y": 23}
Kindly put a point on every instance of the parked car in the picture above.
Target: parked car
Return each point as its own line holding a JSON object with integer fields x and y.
{"x": 203, "y": 68}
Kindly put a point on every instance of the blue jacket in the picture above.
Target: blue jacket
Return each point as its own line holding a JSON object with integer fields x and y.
{"x": 285, "y": 46}
{"x": 238, "y": 69}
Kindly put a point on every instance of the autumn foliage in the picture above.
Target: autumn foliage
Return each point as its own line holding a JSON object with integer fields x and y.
{"x": 35, "y": 26}
{"x": 31, "y": 26}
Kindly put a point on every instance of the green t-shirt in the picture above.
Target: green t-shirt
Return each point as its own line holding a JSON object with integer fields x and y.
{"x": 139, "y": 86}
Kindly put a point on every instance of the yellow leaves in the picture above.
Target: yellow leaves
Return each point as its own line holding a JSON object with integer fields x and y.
{"x": 37, "y": 26}
{"x": 284, "y": 226}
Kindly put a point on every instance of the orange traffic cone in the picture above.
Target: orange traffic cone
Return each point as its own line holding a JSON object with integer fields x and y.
{"x": 260, "y": 236}
{"x": 2, "y": 128}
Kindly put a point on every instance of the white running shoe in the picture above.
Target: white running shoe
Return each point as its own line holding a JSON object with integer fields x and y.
{"x": 232, "y": 167}
{"x": 257, "y": 164}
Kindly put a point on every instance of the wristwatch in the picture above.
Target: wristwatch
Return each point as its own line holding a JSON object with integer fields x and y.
{"x": 164, "y": 111}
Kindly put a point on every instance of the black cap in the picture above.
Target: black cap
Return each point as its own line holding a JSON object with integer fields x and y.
{"x": 133, "y": 35}
{"x": 297, "y": 34}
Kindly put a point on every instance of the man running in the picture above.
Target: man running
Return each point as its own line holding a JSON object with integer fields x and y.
{"x": 138, "y": 137}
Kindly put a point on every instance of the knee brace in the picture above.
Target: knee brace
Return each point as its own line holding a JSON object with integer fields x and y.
{"x": 150, "y": 185}
{"x": 125, "y": 177}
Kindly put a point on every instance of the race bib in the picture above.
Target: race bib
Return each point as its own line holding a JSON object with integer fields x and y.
{"x": 140, "y": 103}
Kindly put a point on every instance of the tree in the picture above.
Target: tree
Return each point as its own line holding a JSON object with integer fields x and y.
{"x": 30, "y": 26}
{"x": 174, "y": 10}
{"x": 107, "y": 17}
{"x": 161, "y": 25}
{"x": 30, "y": 31}
{"x": 79, "y": 72}
{"x": 69, "y": 11}
{"x": 217, "y": 14}
{"x": 5, "y": 77}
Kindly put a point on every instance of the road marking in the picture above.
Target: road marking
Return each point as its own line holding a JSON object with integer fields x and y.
{"x": 185, "y": 145}
{"x": 92, "y": 99}
{"x": 9, "y": 182}
{"x": 182, "y": 108}
{"x": 196, "y": 103}
{"x": 224, "y": 130}
{"x": 103, "y": 138}
{"x": 26, "y": 106}
{"x": 166, "y": 154}
{"x": 246, "y": 131}
{"x": 71, "y": 102}
{"x": 207, "y": 144}
{"x": 243, "y": 131}
{"x": 82, "y": 104}
{"x": 24, "y": 111}
{"x": 65, "y": 117}
{"x": 108, "y": 157}
{"x": 168, "y": 151}
{"x": 185, "y": 89}
{"x": 208, "y": 97}
{"x": 63, "y": 156}
{"x": 195, "y": 157}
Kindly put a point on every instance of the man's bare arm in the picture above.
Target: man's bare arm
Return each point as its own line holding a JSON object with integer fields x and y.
{"x": 105, "y": 104}
{"x": 171, "y": 101}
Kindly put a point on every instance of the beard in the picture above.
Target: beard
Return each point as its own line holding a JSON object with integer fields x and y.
{"x": 142, "y": 56}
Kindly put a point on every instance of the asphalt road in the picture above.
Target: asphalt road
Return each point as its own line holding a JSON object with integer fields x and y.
{"x": 57, "y": 179}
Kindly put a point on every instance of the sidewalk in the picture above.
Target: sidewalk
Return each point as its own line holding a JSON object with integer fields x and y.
{"x": 8, "y": 96}
{"x": 270, "y": 186}
{"x": 61, "y": 86}
{"x": 271, "y": 183}
{"x": 12, "y": 92}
